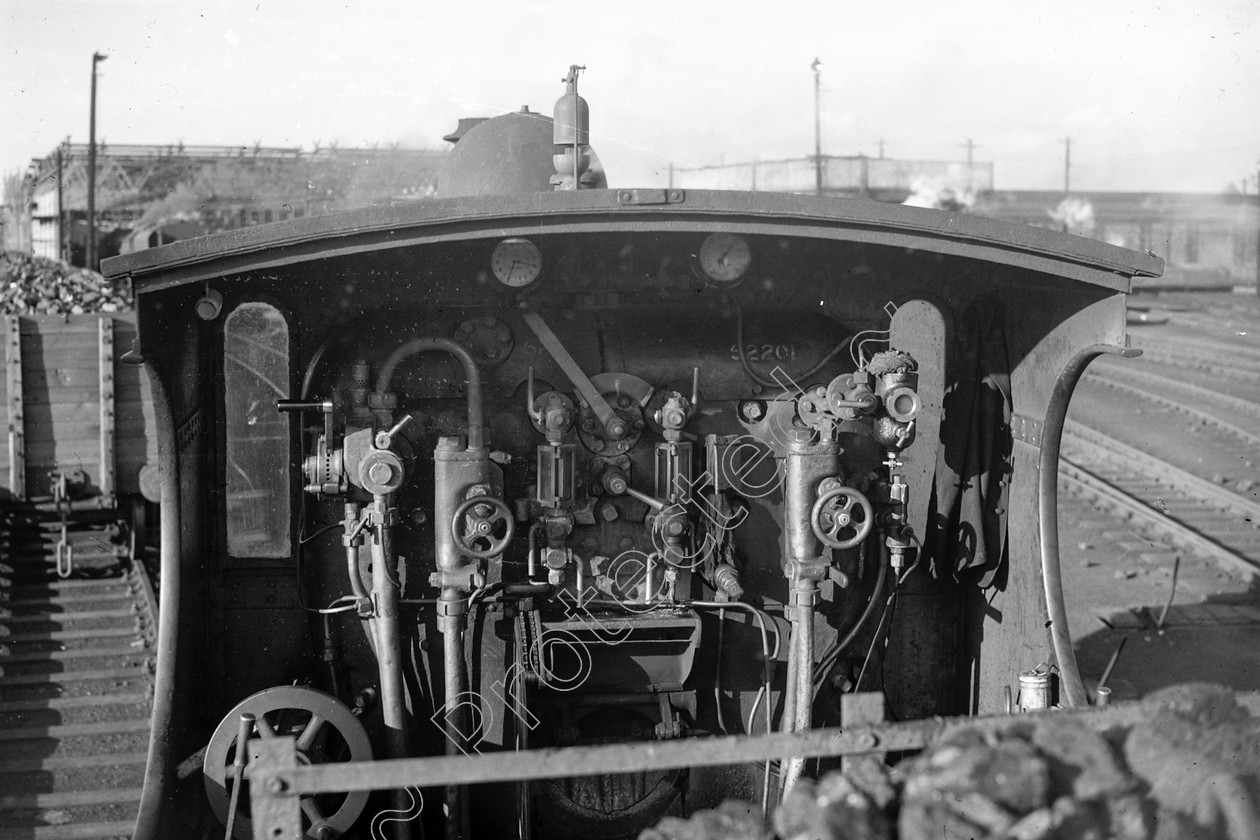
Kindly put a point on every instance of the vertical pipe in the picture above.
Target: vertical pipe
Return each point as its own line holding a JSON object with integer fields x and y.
{"x": 800, "y": 677}
{"x": 352, "y": 541}
{"x": 520, "y": 707}
{"x": 453, "y": 660}
{"x": 808, "y": 463}
{"x": 387, "y": 631}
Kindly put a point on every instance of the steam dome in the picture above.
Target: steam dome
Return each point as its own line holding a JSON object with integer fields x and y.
{"x": 506, "y": 154}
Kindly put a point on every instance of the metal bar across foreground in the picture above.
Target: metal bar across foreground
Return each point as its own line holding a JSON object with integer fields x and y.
{"x": 276, "y": 776}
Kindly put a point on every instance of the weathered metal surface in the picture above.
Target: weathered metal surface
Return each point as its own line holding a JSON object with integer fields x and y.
{"x": 588, "y": 211}
{"x": 1026, "y": 430}
{"x": 105, "y": 361}
{"x": 274, "y": 777}
{"x": 17, "y": 423}
{"x": 69, "y": 404}
{"x": 275, "y": 816}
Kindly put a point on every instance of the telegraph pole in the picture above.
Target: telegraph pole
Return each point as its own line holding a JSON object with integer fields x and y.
{"x": 1067, "y": 166}
{"x": 818, "y": 178}
{"x": 970, "y": 146}
{"x": 91, "y": 185}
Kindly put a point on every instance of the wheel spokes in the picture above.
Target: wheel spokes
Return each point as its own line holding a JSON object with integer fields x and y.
{"x": 263, "y": 727}
{"x": 307, "y": 738}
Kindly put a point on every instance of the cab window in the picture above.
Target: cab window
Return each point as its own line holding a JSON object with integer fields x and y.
{"x": 255, "y": 375}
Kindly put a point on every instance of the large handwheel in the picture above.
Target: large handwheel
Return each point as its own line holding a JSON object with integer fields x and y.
{"x": 326, "y": 731}
{"x": 483, "y": 526}
{"x": 842, "y": 517}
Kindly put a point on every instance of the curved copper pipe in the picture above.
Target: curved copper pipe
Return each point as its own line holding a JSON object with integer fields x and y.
{"x": 476, "y": 413}
{"x": 1048, "y": 515}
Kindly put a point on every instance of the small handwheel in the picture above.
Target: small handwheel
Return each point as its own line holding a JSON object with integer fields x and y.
{"x": 842, "y": 517}
{"x": 483, "y": 526}
{"x": 326, "y": 731}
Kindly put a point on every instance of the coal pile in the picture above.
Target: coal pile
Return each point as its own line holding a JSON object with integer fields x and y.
{"x": 31, "y": 285}
{"x": 1189, "y": 770}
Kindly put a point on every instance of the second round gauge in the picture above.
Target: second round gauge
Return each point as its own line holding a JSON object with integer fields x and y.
{"x": 516, "y": 262}
{"x": 725, "y": 257}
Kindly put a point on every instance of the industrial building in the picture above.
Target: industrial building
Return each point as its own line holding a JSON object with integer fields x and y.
{"x": 1205, "y": 239}
{"x": 151, "y": 195}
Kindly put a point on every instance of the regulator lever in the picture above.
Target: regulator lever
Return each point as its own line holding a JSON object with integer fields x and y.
{"x": 613, "y": 424}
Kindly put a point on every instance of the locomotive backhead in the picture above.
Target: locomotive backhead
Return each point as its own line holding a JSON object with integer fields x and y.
{"x": 544, "y": 463}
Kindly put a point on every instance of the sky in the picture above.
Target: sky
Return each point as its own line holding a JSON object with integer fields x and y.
{"x": 1154, "y": 96}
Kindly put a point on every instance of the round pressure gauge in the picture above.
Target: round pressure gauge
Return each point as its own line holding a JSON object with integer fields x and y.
{"x": 725, "y": 257}
{"x": 516, "y": 262}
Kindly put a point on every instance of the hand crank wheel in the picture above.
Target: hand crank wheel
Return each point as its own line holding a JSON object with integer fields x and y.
{"x": 326, "y": 731}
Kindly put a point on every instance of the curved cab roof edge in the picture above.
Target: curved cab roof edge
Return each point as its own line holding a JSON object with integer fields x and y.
{"x": 383, "y": 228}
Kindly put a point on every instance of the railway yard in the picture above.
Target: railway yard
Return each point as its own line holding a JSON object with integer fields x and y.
{"x": 1160, "y": 500}
{"x": 1159, "y": 533}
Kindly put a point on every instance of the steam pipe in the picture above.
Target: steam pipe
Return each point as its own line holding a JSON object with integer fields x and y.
{"x": 800, "y": 675}
{"x": 808, "y": 463}
{"x": 832, "y": 653}
{"x": 389, "y": 654}
{"x": 472, "y": 377}
{"x": 452, "y": 626}
{"x": 1048, "y": 515}
{"x": 158, "y": 770}
{"x": 520, "y": 707}
{"x": 533, "y": 550}
{"x": 353, "y": 527}
{"x": 352, "y": 569}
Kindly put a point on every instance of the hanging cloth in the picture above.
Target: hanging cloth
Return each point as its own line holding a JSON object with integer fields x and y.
{"x": 966, "y": 536}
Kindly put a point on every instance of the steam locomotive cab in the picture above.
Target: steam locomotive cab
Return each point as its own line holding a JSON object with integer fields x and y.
{"x": 572, "y": 467}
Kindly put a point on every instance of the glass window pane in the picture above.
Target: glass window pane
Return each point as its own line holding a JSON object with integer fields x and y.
{"x": 256, "y": 374}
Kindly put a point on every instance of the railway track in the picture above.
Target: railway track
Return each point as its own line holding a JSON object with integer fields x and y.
{"x": 1202, "y": 364}
{"x": 75, "y": 679}
{"x": 1226, "y": 412}
{"x": 1187, "y": 510}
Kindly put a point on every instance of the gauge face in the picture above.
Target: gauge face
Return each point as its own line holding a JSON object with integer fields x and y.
{"x": 725, "y": 257}
{"x": 516, "y": 262}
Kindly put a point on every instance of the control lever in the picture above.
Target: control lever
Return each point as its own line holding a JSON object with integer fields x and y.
{"x": 613, "y": 424}
{"x": 385, "y": 439}
{"x": 245, "y": 728}
{"x": 324, "y": 407}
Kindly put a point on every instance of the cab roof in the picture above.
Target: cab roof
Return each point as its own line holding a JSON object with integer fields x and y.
{"x": 385, "y": 228}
